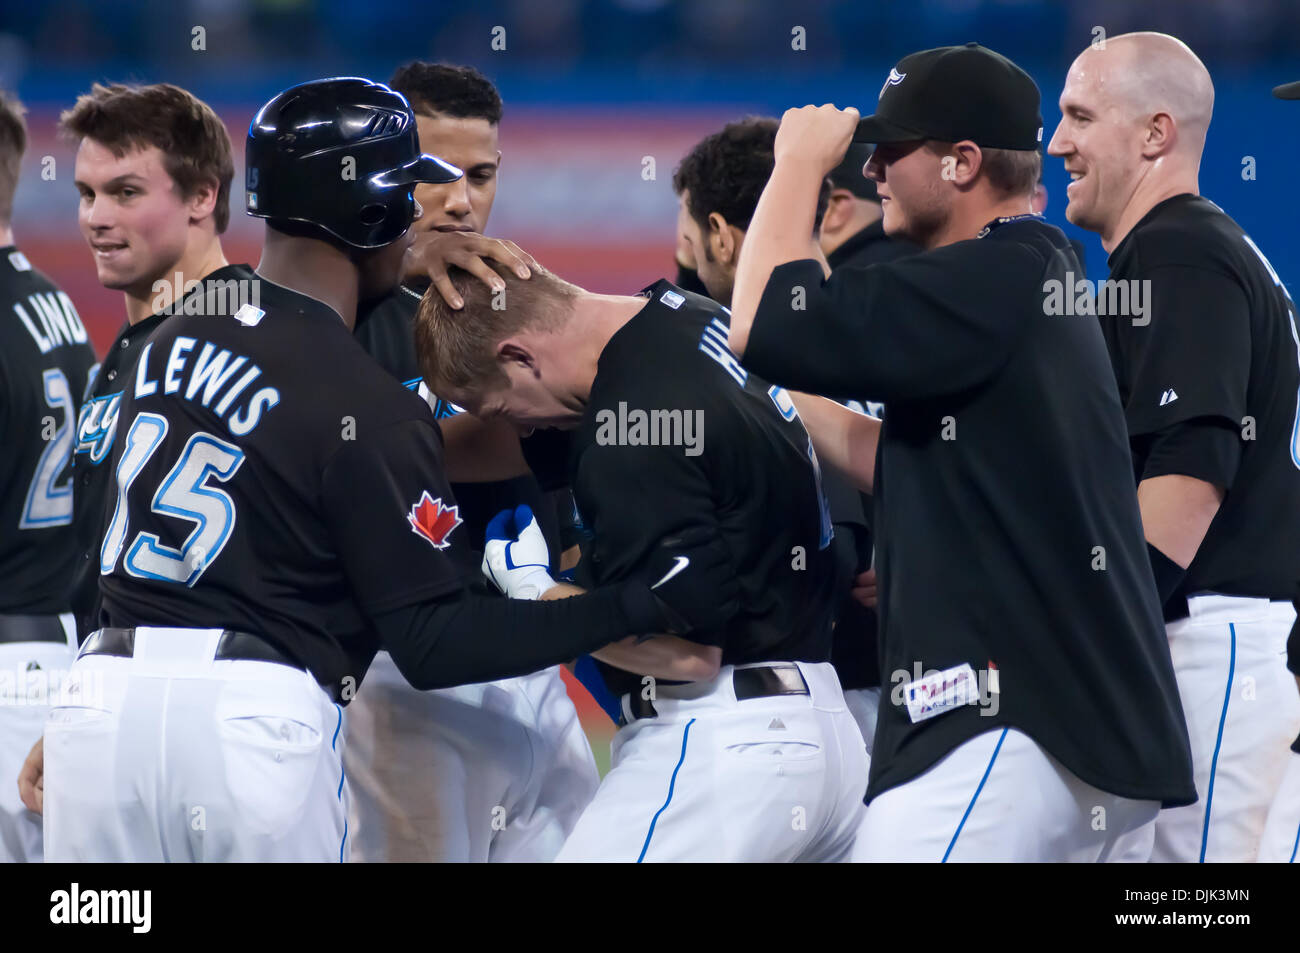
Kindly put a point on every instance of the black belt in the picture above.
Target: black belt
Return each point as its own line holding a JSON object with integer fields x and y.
{"x": 764, "y": 681}
{"x": 231, "y": 647}
{"x": 32, "y": 628}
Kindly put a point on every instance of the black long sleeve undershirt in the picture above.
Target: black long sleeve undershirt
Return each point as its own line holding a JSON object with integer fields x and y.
{"x": 465, "y": 638}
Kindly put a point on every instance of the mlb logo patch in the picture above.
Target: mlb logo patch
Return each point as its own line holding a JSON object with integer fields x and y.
{"x": 19, "y": 261}
{"x": 941, "y": 692}
{"x": 672, "y": 299}
{"x": 434, "y": 520}
{"x": 249, "y": 316}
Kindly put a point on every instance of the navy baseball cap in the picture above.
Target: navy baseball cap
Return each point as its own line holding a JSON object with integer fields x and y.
{"x": 1287, "y": 90}
{"x": 953, "y": 93}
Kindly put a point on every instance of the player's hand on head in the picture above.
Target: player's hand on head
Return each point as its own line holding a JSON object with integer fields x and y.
{"x": 515, "y": 556}
{"x": 818, "y": 135}
{"x": 431, "y": 254}
{"x": 864, "y": 588}
{"x": 31, "y": 778}
{"x": 691, "y": 577}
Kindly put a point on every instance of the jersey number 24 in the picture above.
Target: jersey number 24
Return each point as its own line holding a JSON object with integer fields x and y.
{"x": 186, "y": 493}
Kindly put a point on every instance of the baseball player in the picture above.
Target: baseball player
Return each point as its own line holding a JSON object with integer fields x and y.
{"x": 1281, "y": 841}
{"x": 267, "y": 534}
{"x": 735, "y": 743}
{"x": 153, "y": 169}
{"x": 1032, "y": 712}
{"x": 45, "y": 359}
{"x": 1208, "y": 372}
{"x": 718, "y": 184}
{"x": 853, "y": 231}
{"x": 484, "y": 772}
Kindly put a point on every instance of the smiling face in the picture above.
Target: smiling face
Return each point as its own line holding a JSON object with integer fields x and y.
{"x": 908, "y": 181}
{"x": 131, "y": 214}
{"x": 470, "y": 145}
{"x": 1101, "y": 143}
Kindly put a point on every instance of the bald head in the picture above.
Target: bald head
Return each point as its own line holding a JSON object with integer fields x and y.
{"x": 1142, "y": 74}
{"x": 1135, "y": 113}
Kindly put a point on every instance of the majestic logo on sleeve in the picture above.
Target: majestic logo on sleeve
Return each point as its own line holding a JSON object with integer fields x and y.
{"x": 433, "y": 520}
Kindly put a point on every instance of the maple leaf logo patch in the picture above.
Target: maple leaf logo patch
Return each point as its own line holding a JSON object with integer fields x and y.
{"x": 433, "y": 520}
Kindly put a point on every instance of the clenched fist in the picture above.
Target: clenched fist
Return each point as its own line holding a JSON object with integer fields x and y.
{"x": 816, "y": 135}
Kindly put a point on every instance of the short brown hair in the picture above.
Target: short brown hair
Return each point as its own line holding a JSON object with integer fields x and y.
{"x": 13, "y": 143}
{"x": 193, "y": 140}
{"x": 457, "y": 348}
{"x": 1011, "y": 172}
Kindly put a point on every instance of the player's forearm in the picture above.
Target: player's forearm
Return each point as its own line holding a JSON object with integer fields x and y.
{"x": 780, "y": 231}
{"x": 844, "y": 439}
{"x": 464, "y": 639}
{"x": 1176, "y": 514}
{"x": 664, "y": 656}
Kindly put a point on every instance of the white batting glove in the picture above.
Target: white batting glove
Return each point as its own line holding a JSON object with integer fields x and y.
{"x": 517, "y": 561}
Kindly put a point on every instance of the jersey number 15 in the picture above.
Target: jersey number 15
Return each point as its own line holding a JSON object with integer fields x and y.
{"x": 185, "y": 493}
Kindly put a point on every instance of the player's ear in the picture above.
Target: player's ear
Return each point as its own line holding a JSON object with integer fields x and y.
{"x": 1160, "y": 135}
{"x": 838, "y": 210}
{"x": 962, "y": 163}
{"x": 512, "y": 351}
{"x": 202, "y": 202}
{"x": 721, "y": 238}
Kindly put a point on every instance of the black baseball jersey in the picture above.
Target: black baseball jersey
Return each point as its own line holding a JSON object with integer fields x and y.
{"x": 1217, "y": 343}
{"x": 870, "y": 246}
{"x": 258, "y": 496}
{"x": 45, "y": 359}
{"x": 855, "y": 651}
{"x": 97, "y": 428}
{"x": 1015, "y": 588}
{"x": 678, "y": 434}
{"x": 386, "y": 330}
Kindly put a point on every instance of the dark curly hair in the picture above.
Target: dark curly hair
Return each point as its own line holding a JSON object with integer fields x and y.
{"x": 726, "y": 173}
{"x": 443, "y": 89}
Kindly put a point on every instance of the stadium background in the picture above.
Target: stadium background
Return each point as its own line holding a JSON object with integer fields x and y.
{"x": 593, "y": 88}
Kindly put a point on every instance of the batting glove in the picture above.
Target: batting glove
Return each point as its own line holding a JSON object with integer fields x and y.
{"x": 516, "y": 559}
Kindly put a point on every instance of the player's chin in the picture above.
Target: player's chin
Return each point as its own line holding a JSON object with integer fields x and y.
{"x": 116, "y": 278}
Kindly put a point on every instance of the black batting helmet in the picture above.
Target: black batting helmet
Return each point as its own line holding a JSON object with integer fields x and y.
{"x": 342, "y": 155}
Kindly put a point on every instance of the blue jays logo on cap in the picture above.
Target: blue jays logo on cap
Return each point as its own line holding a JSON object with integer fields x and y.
{"x": 895, "y": 77}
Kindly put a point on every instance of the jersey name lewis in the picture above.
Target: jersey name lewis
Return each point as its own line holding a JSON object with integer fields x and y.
{"x": 215, "y": 377}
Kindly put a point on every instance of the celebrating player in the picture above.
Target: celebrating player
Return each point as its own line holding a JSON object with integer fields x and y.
{"x": 269, "y": 533}
{"x": 718, "y": 184}
{"x": 1038, "y": 688}
{"x": 44, "y": 363}
{"x": 755, "y": 756}
{"x": 484, "y": 772}
{"x": 153, "y": 170}
{"x": 1208, "y": 373}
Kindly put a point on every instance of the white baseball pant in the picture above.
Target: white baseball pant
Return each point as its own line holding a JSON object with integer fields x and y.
{"x": 172, "y": 756}
{"x": 864, "y": 706}
{"x": 31, "y": 674}
{"x": 1281, "y": 842}
{"x": 1243, "y": 711}
{"x": 490, "y": 772}
{"x": 1001, "y": 798}
{"x": 711, "y": 778}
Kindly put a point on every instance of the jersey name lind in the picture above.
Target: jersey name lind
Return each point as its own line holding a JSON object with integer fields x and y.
{"x": 200, "y": 371}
